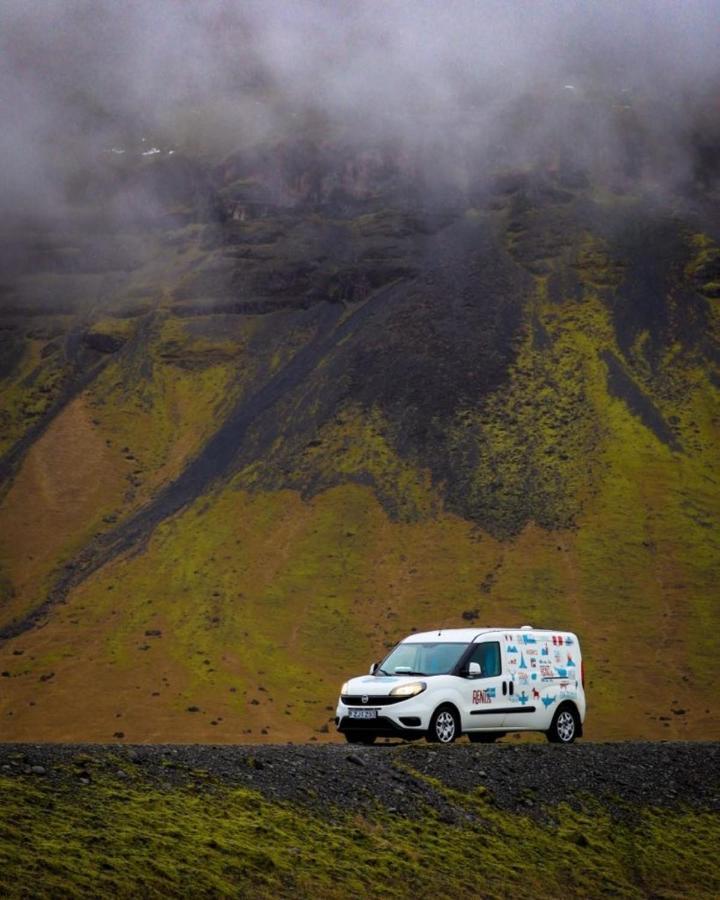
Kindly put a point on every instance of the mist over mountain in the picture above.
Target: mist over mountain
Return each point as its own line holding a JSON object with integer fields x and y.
{"x": 629, "y": 90}
{"x": 320, "y": 322}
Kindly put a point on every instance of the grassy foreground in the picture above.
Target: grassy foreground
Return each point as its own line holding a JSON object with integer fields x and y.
{"x": 131, "y": 838}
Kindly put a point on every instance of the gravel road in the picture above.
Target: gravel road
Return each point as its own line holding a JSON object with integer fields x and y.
{"x": 531, "y": 777}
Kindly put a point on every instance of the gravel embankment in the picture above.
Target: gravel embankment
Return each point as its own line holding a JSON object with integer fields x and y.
{"x": 531, "y": 777}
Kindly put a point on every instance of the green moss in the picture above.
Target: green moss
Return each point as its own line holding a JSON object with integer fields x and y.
{"x": 131, "y": 839}
{"x": 594, "y": 265}
{"x": 30, "y": 389}
{"x": 355, "y": 446}
{"x": 527, "y": 452}
{"x": 704, "y": 265}
{"x": 115, "y": 327}
{"x": 159, "y": 409}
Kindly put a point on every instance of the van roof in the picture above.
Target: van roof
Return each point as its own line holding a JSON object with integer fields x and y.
{"x": 467, "y": 635}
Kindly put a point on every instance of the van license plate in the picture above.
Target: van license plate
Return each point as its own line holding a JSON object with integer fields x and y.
{"x": 363, "y": 713}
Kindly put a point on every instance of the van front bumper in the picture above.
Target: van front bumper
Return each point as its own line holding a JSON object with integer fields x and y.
{"x": 382, "y": 726}
{"x": 407, "y": 719}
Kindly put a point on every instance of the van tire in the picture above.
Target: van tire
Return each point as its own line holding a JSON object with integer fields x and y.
{"x": 483, "y": 737}
{"x": 565, "y": 726}
{"x": 444, "y": 726}
{"x": 355, "y": 737}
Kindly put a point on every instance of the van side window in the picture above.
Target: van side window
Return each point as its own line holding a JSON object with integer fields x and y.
{"x": 488, "y": 656}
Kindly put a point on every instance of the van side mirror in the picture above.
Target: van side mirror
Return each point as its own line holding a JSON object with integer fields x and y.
{"x": 373, "y": 667}
{"x": 474, "y": 669}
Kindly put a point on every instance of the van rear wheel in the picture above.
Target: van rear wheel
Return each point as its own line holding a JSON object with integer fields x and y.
{"x": 564, "y": 727}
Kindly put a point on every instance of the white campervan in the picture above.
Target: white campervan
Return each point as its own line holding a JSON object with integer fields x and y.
{"x": 482, "y": 682}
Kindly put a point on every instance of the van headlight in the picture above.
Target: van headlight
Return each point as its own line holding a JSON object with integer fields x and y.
{"x": 408, "y": 690}
{"x": 344, "y": 689}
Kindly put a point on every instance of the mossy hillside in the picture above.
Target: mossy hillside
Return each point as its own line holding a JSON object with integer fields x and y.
{"x": 583, "y": 577}
{"x": 76, "y": 483}
{"x": 704, "y": 266}
{"x": 245, "y": 589}
{"x": 265, "y": 603}
{"x": 129, "y": 837}
{"x": 555, "y": 469}
{"x": 647, "y": 543}
{"x": 348, "y": 578}
{"x": 355, "y": 445}
{"x": 527, "y": 451}
{"x": 656, "y": 502}
{"x": 531, "y": 449}
{"x": 104, "y": 453}
{"x": 406, "y": 361}
{"x": 151, "y": 408}
{"x": 655, "y": 507}
{"x": 33, "y": 380}
{"x": 594, "y": 265}
{"x": 186, "y": 374}
{"x": 158, "y": 412}
{"x": 155, "y": 404}
{"x": 123, "y": 328}
{"x": 51, "y": 309}
{"x": 250, "y": 626}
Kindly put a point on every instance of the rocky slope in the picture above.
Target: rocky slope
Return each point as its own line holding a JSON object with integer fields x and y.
{"x": 264, "y": 415}
{"x": 402, "y": 778}
{"x": 632, "y": 819}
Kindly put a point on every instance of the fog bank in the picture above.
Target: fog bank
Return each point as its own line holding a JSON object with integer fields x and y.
{"x": 461, "y": 86}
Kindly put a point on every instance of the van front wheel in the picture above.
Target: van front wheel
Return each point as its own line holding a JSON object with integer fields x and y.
{"x": 564, "y": 726}
{"x": 444, "y": 726}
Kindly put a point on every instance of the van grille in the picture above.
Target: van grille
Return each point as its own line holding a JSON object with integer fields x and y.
{"x": 372, "y": 700}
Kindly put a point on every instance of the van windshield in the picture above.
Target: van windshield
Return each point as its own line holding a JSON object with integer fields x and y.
{"x": 422, "y": 659}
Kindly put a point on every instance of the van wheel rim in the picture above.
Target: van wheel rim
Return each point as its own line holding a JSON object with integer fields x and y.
{"x": 445, "y": 727}
{"x": 566, "y": 726}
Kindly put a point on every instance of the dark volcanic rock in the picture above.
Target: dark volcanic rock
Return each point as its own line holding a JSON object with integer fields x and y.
{"x": 620, "y": 385}
{"x": 102, "y": 343}
{"x": 531, "y": 778}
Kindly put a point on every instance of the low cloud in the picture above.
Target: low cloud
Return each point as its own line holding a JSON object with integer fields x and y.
{"x": 458, "y": 87}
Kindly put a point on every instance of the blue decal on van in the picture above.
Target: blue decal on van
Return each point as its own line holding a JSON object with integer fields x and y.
{"x": 548, "y": 701}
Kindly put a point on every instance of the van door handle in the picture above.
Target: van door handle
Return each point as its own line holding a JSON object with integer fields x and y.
{"x": 504, "y": 688}
{"x": 512, "y": 689}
